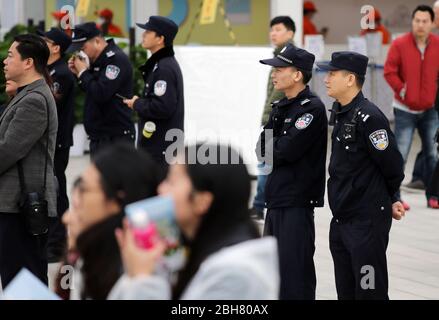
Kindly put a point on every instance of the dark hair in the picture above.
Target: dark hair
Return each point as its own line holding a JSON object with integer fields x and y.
{"x": 307, "y": 75}
{"x": 424, "y": 8}
{"x": 132, "y": 172}
{"x": 34, "y": 47}
{"x": 286, "y": 21}
{"x": 227, "y": 221}
{"x": 102, "y": 264}
{"x": 127, "y": 174}
{"x": 359, "y": 80}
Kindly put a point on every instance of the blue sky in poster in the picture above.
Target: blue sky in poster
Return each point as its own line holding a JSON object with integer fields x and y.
{"x": 180, "y": 10}
{"x": 238, "y": 6}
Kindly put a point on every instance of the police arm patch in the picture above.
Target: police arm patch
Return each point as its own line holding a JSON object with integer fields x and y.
{"x": 112, "y": 71}
{"x": 379, "y": 139}
{"x": 160, "y": 88}
{"x": 304, "y": 121}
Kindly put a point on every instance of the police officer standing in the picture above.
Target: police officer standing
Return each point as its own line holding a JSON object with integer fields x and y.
{"x": 296, "y": 184}
{"x": 366, "y": 170}
{"x": 162, "y": 106}
{"x": 63, "y": 83}
{"x": 105, "y": 73}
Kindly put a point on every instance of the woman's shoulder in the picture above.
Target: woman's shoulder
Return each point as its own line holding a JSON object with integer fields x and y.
{"x": 248, "y": 270}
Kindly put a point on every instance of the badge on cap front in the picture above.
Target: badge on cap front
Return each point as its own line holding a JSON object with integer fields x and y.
{"x": 160, "y": 88}
{"x": 112, "y": 71}
{"x": 379, "y": 139}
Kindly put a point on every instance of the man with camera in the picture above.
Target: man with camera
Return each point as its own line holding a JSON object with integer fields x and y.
{"x": 28, "y": 128}
{"x": 105, "y": 73}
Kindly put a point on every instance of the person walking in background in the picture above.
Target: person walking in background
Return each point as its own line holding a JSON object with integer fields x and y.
{"x": 412, "y": 70}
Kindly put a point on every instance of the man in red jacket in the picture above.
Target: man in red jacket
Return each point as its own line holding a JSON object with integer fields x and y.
{"x": 412, "y": 70}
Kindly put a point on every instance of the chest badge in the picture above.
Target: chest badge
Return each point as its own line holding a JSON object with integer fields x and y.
{"x": 160, "y": 88}
{"x": 112, "y": 72}
{"x": 379, "y": 139}
{"x": 304, "y": 121}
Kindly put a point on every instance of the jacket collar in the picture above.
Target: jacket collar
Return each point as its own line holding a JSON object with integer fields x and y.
{"x": 103, "y": 54}
{"x": 305, "y": 93}
{"x": 156, "y": 57}
{"x": 22, "y": 94}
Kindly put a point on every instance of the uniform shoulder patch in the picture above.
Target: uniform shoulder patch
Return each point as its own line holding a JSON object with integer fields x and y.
{"x": 110, "y": 54}
{"x": 304, "y": 102}
{"x": 160, "y": 88}
{"x": 379, "y": 139}
{"x": 304, "y": 121}
{"x": 112, "y": 71}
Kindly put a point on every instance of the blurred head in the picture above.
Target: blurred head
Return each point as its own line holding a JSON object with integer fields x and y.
{"x": 71, "y": 217}
{"x": 282, "y": 30}
{"x": 106, "y": 15}
{"x": 436, "y": 14}
{"x": 27, "y": 58}
{"x": 11, "y": 88}
{"x": 211, "y": 191}
{"x": 422, "y": 21}
{"x": 309, "y": 9}
{"x": 94, "y": 47}
{"x": 208, "y": 195}
{"x": 116, "y": 176}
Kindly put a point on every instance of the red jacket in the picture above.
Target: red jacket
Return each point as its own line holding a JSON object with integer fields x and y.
{"x": 406, "y": 68}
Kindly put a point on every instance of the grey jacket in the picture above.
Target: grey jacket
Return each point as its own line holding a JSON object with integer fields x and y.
{"x": 23, "y": 126}
{"x": 246, "y": 271}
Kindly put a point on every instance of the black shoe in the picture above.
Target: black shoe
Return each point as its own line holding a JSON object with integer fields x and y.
{"x": 416, "y": 184}
{"x": 256, "y": 214}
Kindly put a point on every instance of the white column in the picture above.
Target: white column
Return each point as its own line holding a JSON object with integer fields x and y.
{"x": 141, "y": 10}
{"x": 11, "y": 13}
{"x": 292, "y": 8}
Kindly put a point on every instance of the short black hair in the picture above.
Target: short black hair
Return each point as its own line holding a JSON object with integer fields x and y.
{"x": 286, "y": 21}
{"x": 34, "y": 47}
{"x": 424, "y": 8}
{"x": 307, "y": 75}
{"x": 359, "y": 80}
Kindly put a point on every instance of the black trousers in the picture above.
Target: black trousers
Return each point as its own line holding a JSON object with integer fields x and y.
{"x": 358, "y": 248}
{"x": 19, "y": 249}
{"x": 56, "y": 242}
{"x": 295, "y": 233}
{"x": 98, "y": 144}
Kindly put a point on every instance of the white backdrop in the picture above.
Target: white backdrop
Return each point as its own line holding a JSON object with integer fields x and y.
{"x": 225, "y": 90}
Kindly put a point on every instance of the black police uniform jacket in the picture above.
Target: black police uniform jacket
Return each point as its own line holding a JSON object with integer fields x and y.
{"x": 366, "y": 167}
{"x": 105, "y": 114}
{"x": 162, "y": 102}
{"x": 300, "y": 132}
{"x": 63, "y": 86}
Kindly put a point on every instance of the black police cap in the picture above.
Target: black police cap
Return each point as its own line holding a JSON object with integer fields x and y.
{"x": 58, "y": 37}
{"x": 81, "y": 34}
{"x": 163, "y": 26}
{"x": 346, "y": 60}
{"x": 291, "y": 56}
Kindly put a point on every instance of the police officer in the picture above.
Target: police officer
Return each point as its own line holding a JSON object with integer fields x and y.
{"x": 296, "y": 185}
{"x": 366, "y": 170}
{"x": 63, "y": 83}
{"x": 162, "y": 106}
{"x": 105, "y": 73}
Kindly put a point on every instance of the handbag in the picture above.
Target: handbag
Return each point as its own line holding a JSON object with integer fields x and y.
{"x": 33, "y": 205}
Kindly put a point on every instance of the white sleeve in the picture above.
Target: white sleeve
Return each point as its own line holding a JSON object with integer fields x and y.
{"x": 140, "y": 288}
